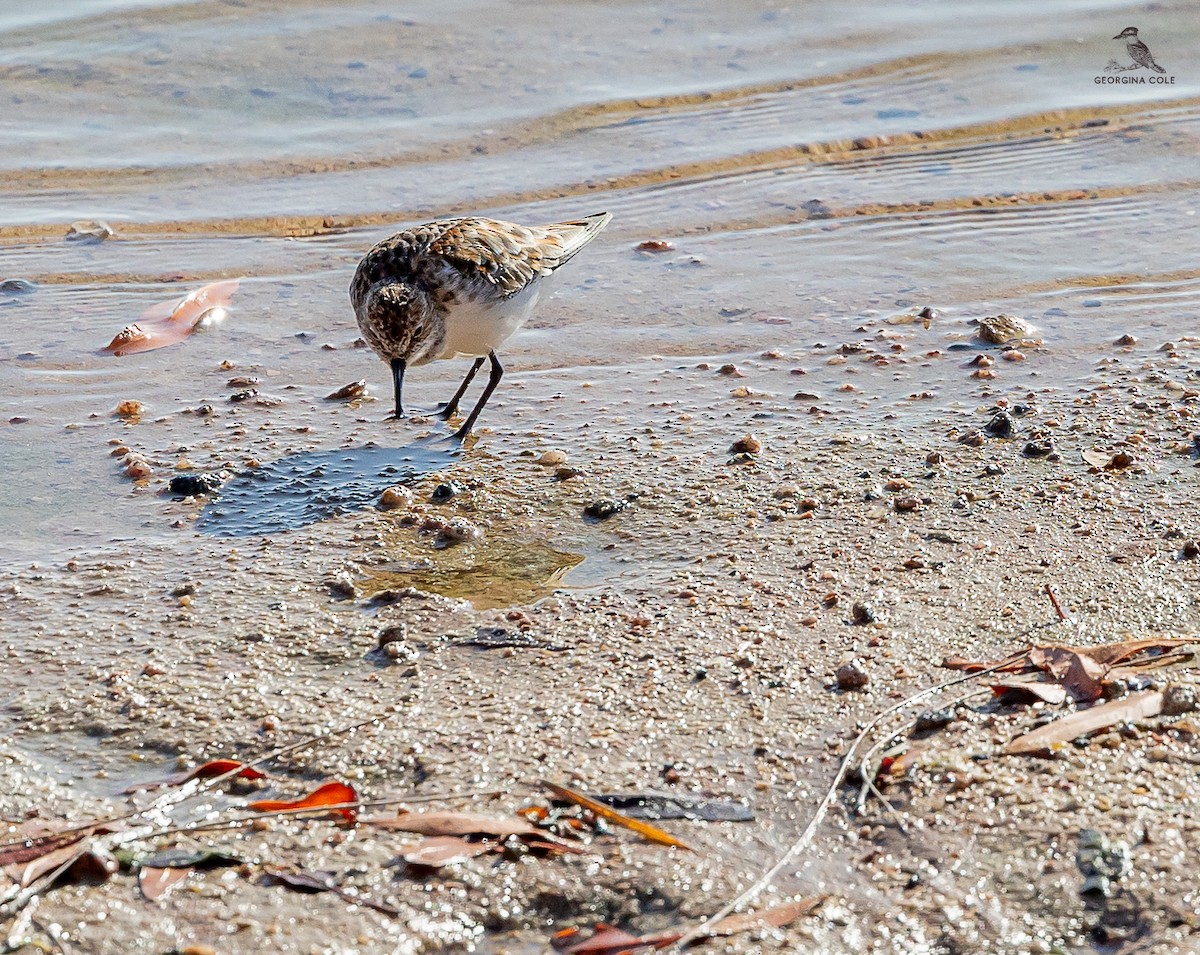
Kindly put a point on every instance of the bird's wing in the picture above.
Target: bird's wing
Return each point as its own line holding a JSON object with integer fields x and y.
{"x": 509, "y": 257}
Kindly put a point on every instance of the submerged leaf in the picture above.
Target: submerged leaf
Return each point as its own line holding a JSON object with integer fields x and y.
{"x": 166, "y": 323}
{"x": 300, "y": 880}
{"x": 643, "y": 829}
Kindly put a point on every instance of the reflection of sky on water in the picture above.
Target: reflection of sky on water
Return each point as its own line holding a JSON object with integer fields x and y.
{"x": 304, "y": 488}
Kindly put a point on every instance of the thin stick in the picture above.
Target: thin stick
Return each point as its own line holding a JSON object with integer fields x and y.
{"x": 1062, "y": 614}
{"x": 822, "y": 808}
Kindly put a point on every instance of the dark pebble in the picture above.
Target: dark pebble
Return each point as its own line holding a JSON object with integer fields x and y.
{"x": 191, "y": 485}
{"x": 443, "y": 492}
{"x": 932, "y": 720}
{"x": 17, "y": 286}
{"x": 603, "y": 509}
{"x": 1092, "y": 303}
{"x": 863, "y": 613}
{"x": 1191, "y": 550}
{"x": 1002, "y": 425}
{"x": 1038, "y": 449}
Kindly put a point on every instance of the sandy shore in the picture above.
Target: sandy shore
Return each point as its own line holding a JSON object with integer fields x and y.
{"x": 699, "y": 659}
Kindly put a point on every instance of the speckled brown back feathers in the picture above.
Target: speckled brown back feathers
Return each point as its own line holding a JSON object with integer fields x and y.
{"x": 406, "y": 287}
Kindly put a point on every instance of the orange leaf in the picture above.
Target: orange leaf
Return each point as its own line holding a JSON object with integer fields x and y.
{"x": 643, "y": 829}
{"x": 209, "y": 770}
{"x": 329, "y": 794}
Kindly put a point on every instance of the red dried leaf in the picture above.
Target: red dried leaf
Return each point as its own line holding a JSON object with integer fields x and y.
{"x": 155, "y": 883}
{"x": 329, "y": 794}
{"x": 209, "y": 770}
{"x": 606, "y": 940}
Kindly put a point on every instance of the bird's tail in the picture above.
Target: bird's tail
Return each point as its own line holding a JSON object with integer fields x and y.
{"x": 1157, "y": 68}
{"x": 573, "y": 236}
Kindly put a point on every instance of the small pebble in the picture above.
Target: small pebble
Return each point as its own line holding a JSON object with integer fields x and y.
{"x": 129, "y": 409}
{"x": 852, "y": 676}
{"x": 863, "y": 613}
{"x": 553, "y": 458}
{"x": 747, "y": 444}
{"x": 396, "y": 496}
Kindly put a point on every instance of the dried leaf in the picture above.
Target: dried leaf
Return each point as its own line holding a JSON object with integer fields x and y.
{"x": 644, "y": 829}
{"x": 209, "y": 770}
{"x": 36, "y": 845}
{"x": 609, "y": 940}
{"x": 156, "y": 329}
{"x": 775, "y": 917}
{"x": 300, "y": 880}
{"x": 605, "y": 940}
{"x": 1081, "y": 722}
{"x": 155, "y": 883}
{"x": 79, "y": 862}
{"x": 654, "y": 806}
{"x": 189, "y": 859}
{"x": 1047, "y": 692}
{"x": 447, "y": 823}
{"x": 329, "y": 794}
{"x": 1079, "y": 674}
{"x": 437, "y": 851}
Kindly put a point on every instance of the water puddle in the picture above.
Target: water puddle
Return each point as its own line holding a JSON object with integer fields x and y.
{"x": 311, "y": 486}
{"x": 503, "y": 572}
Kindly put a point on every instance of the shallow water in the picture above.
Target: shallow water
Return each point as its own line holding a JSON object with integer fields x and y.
{"x": 961, "y": 156}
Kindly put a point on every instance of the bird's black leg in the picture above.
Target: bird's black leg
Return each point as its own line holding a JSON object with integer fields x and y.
{"x": 494, "y": 377}
{"x": 398, "y": 366}
{"x": 451, "y": 406}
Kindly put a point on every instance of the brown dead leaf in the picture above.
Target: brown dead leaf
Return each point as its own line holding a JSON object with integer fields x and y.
{"x": 155, "y": 883}
{"x": 1082, "y": 722}
{"x": 775, "y": 917}
{"x": 606, "y": 940}
{"x": 437, "y": 851}
{"x": 1079, "y": 674}
{"x": 448, "y": 823}
{"x": 1047, "y": 692}
{"x": 643, "y": 829}
{"x": 302, "y": 880}
{"x": 78, "y": 861}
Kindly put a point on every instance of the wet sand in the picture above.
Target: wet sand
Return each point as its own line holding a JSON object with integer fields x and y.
{"x": 709, "y": 649}
{"x": 816, "y": 197}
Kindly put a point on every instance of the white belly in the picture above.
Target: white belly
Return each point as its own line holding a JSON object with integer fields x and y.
{"x": 476, "y": 328}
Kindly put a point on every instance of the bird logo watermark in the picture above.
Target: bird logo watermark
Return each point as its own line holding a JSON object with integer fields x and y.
{"x": 1143, "y": 68}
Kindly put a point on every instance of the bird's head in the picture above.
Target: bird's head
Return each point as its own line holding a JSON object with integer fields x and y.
{"x": 1129, "y": 33}
{"x": 399, "y": 312}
